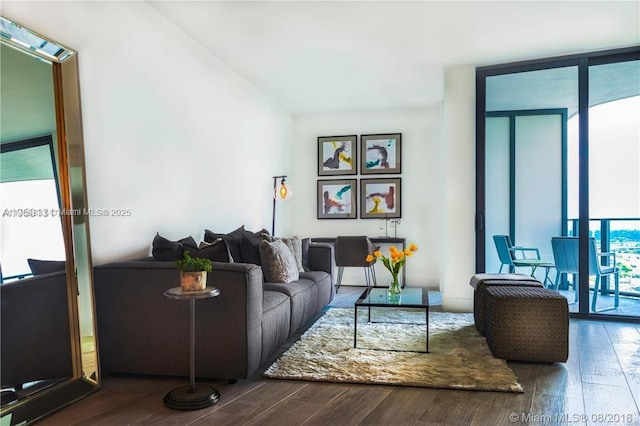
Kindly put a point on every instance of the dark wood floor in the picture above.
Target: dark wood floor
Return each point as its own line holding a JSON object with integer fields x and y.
{"x": 600, "y": 384}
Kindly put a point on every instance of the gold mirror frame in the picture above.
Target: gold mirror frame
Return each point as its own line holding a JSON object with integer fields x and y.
{"x": 75, "y": 229}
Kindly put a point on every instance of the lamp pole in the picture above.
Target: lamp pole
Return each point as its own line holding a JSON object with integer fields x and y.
{"x": 273, "y": 214}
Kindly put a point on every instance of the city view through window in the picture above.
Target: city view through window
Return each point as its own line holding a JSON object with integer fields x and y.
{"x": 614, "y": 196}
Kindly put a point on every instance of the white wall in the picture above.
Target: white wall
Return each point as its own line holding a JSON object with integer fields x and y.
{"x": 185, "y": 143}
{"x": 458, "y": 190}
{"x": 422, "y": 213}
{"x": 171, "y": 133}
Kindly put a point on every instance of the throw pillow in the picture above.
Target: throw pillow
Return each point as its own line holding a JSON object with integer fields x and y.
{"x": 305, "y": 254}
{"x": 39, "y": 267}
{"x": 278, "y": 263}
{"x": 243, "y": 245}
{"x": 233, "y": 240}
{"x": 216, "y": 251}
{"x": 295, "y": 245}
{"x": 164, "y": 249}
{"x": 251, "y": 247}
{"x": 189, "y": 244}
{"x": 266, "y": 235}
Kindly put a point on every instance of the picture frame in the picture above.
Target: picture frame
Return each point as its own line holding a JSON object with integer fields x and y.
{"x": 380, "y": 198}
{"x": 337, "y": 155}
{"x": 381, "y": 153}
{"x": 337, "y": 199}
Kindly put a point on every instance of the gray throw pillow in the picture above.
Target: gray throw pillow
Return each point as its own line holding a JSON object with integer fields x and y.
{"x": 305, "y": 254}
{"x": 164, "y": 249}
{"x": 251, "y": 246}
{"x": 216, "y": 251}
{"x": 233, "y": 240}
{"x": 39, "y": 267}
{"x": 278, "y": 263}
{"x": 295, "y": 245}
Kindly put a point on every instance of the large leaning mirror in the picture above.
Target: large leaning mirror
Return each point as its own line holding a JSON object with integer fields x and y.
{"x": 49, "y": 346}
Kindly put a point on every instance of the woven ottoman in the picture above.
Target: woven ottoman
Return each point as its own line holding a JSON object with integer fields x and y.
{"x": 480, "y": 282}
{"x": 527, "y": 324}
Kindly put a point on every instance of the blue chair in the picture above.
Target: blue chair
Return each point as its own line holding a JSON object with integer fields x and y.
{"x": 507, "y": 252}
{"x": 566, "y": 258}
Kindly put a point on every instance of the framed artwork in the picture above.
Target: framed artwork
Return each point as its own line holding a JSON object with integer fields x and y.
{"x": 337, "y": 199}
{"x": 380, "y": 198}
{"x": 380, "y": 153}
{"x": 337, "y": 155}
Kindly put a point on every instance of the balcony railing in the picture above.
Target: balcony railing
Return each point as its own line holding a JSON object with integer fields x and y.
{"x": 622, "y": 236}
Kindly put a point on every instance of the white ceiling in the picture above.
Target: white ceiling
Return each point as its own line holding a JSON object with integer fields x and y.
{"x": 356, "y": 55}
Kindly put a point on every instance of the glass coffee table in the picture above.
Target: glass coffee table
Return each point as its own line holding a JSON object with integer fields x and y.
{"x": 377, "y": 297}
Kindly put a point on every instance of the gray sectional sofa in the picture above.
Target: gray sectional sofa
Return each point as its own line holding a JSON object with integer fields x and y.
{"x": 142, "y": 332}
{"x": 34, "y": 320}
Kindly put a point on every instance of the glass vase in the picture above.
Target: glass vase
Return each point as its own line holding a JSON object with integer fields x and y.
{"x": 394, "y": 291}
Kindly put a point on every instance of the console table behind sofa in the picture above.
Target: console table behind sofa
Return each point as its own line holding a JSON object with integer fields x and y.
{"x": 402, "y": 242}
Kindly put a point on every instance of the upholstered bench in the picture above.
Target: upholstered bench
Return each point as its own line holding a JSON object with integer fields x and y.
{"x": 480, "y": 282}
{"x": 527, "y": 324}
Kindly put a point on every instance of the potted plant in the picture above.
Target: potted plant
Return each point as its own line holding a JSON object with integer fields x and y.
{"x": 193, "y": 272}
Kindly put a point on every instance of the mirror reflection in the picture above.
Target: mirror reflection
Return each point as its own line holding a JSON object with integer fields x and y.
{"x": 33, "y": 251}
{"x": 49, "y": 355}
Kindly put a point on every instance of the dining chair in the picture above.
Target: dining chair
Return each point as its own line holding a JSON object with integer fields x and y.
{"x": 352, "y": 251}
{"x": 566, "y": 253}
{"x": 507, "y": 252}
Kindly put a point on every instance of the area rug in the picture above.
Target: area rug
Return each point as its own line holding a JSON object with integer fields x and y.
{"x": 458, "y": 357}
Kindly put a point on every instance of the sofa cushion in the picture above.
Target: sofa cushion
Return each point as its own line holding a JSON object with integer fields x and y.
{"x": 165, "y": 249}
{"x": 315, "y": 276}
{"x": 278, "y": 263}
{"x": 276, "y": 322}
{"x": 303, "y": 296}
{"x": 324, "y": 287}
{"x": 39, "y": 267}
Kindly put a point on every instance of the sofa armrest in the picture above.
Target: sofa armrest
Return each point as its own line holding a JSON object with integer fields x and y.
{"x": 321, "y": 257}
{"x": 141, "y": 331}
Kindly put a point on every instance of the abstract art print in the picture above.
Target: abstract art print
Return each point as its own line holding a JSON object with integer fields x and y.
{"x": 337, "y": 199}
{"x": 380, "y": 198}
{"x": 380, "y": 153}
{"x": 337, "y": 155}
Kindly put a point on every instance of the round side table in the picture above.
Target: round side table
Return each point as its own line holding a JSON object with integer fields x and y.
{"x": 193, "y": 396}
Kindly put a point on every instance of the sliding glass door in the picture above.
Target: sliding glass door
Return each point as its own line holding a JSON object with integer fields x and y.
{"x": 558, "y": 153}
{"x": 614, "y": 180}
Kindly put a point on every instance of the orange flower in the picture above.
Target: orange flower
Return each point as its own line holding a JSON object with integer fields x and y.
{"x": 396, "y": 259}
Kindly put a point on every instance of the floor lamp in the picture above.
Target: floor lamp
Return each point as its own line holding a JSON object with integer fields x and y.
{"x": 281, "y": 192}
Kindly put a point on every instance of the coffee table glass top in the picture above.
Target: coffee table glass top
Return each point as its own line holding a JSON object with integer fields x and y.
{"x": 411, "y": 297}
